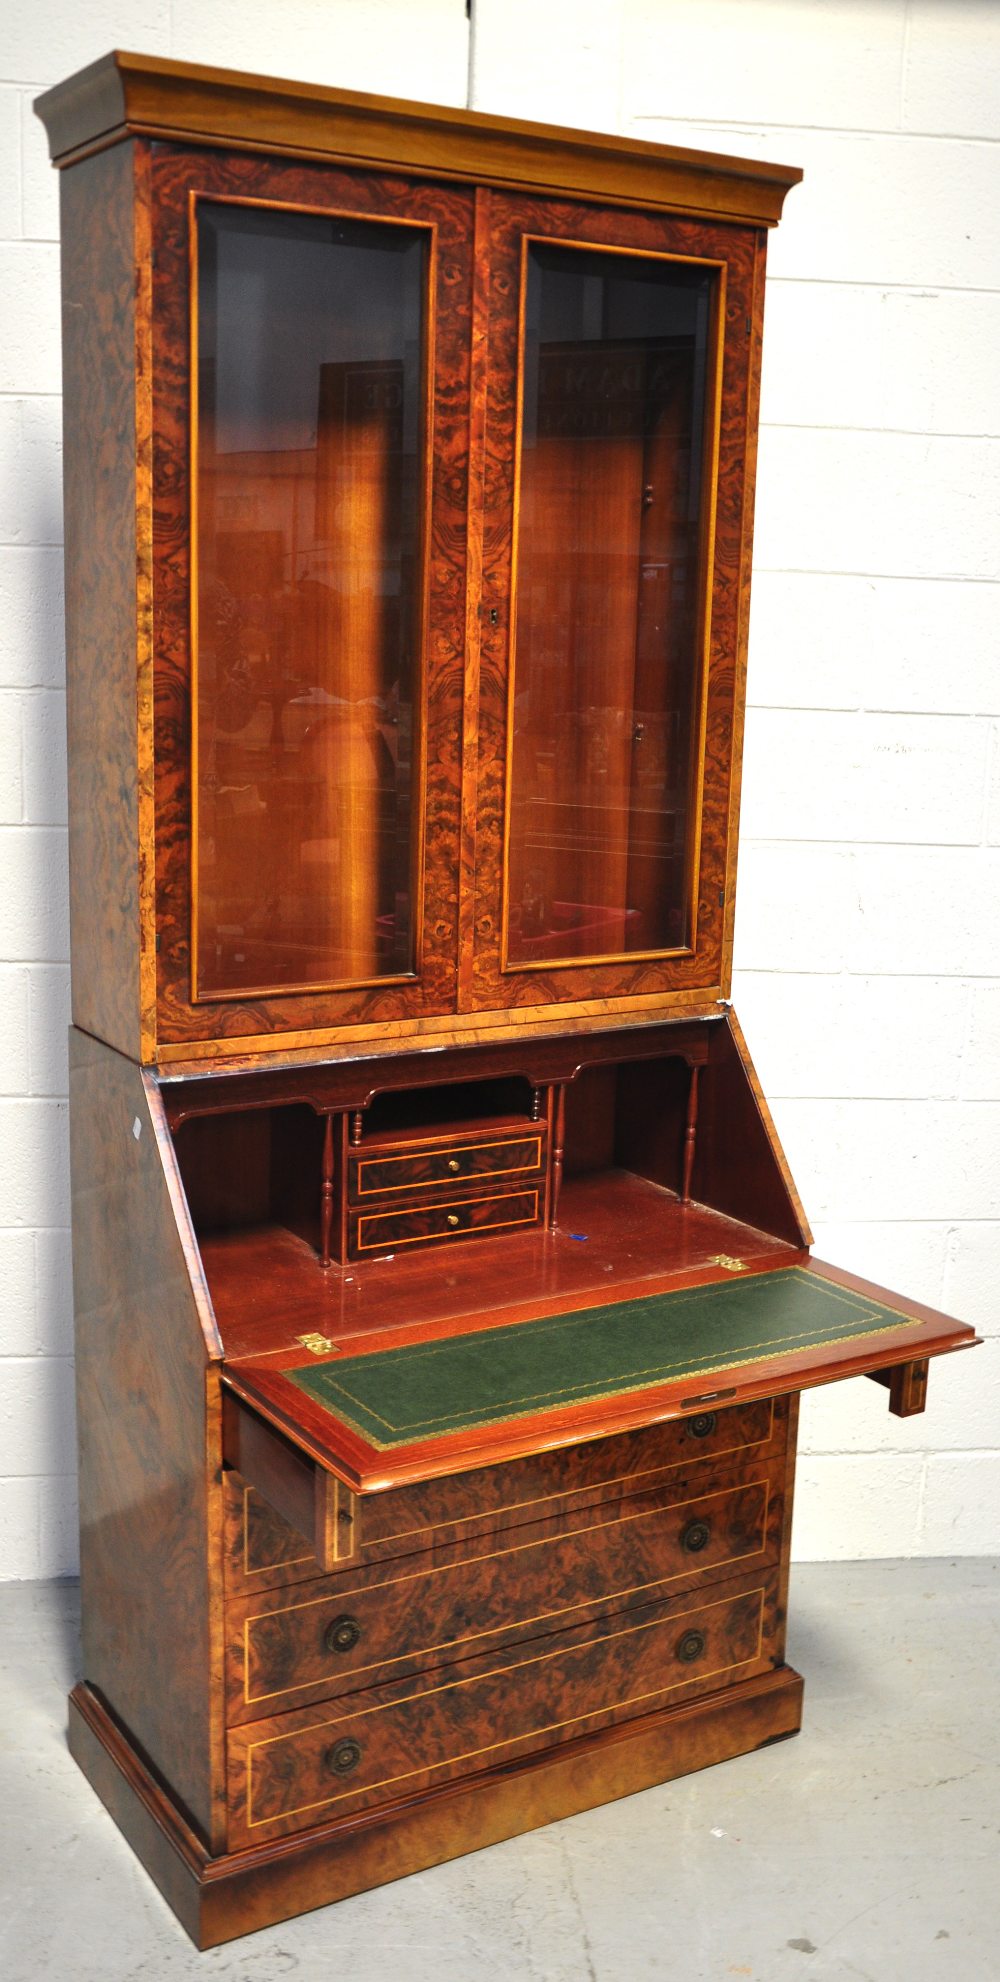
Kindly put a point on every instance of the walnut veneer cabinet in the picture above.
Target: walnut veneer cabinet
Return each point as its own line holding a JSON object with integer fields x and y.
{"x": 443, "y": 1297}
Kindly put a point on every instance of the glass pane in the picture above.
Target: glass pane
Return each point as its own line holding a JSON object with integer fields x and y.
{"x": 608, "y": 618}
{"x": 309, "y": 470}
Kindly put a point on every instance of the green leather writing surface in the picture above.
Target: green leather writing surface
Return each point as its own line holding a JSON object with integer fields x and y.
{"x": 427, "y": 1390}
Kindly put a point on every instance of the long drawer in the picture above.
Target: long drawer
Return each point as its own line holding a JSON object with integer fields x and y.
{"x": 298, "y": 1769}
{"x": 353, "y": 1631}
{"x": 264, "y": 1552}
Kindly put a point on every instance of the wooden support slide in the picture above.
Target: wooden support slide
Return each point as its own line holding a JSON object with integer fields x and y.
{"x": 907, "y": 1387}
{"x": 317, "y": 1505}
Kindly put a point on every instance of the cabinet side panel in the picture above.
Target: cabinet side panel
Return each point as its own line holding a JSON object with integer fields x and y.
{"x": 755, "y": 329}
{"x": 148, "y": 1514}
{"x": 740, "y": 1166}
{"x": 102, "y": 590}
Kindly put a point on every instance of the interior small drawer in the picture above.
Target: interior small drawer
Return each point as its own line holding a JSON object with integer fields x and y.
{"x": 435, "y": 1167}
{"x": 451, "y": 1218}
{"x": 365, "y": 1627}
{"x": 295, "y": 1770}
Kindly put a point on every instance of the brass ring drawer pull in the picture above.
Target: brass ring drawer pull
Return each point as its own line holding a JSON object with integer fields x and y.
{"x": 690, "y": 1647}
{"x": 342, "y": 1634}
{"x": 342, "y": 1757}
{"x": 702, "y": 1426}
{"x": 695, "y": 1537}
{"x": 453, "y": 1219}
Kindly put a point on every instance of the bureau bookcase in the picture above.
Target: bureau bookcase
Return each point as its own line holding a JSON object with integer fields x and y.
{"x": 442, "y": 1295}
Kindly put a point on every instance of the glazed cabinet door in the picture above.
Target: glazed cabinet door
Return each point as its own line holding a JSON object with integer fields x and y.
{"x": 310, "y": 378}
{"x": 621, "y": 401}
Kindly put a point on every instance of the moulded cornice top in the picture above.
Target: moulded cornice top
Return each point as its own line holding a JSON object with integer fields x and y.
{"x": 148, "y": 96}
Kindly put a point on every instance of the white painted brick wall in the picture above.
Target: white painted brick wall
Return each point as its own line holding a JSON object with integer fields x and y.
{"x": 869, "y": 922}
{"x": 397, "y": 47}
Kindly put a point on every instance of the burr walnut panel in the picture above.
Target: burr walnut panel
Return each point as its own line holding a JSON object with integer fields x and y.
{"x": 495, "y": 1155}
{"x": 147, "y": 1405}
{"x": 291, "y": 1771}
{"x": 355, "y": 1631}
{"x": 449, "y": 1218}
{"x": 490, "y": 1506}
{"x": 261, "y": 1549}
{"x": 106, "y": 444}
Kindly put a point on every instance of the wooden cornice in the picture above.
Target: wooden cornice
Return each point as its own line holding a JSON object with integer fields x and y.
{"x": 148, "y": 96}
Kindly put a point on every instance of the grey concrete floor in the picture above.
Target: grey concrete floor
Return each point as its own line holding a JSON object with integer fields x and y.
{"x": 869, "y": 1847}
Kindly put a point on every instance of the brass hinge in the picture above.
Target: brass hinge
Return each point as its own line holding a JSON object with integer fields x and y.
{"x": 729, "y": 1261}
{"x": 318, "y": 1345}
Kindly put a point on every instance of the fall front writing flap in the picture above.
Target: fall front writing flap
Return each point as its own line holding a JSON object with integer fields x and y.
{"x": 455, "y": 1400}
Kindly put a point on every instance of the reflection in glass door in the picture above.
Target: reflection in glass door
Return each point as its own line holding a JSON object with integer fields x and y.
{"x": 309, "y": 479}
{"x": 617, "y": 433}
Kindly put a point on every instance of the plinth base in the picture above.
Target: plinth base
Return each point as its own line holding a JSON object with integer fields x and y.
{"x": 218, "y": 1898}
